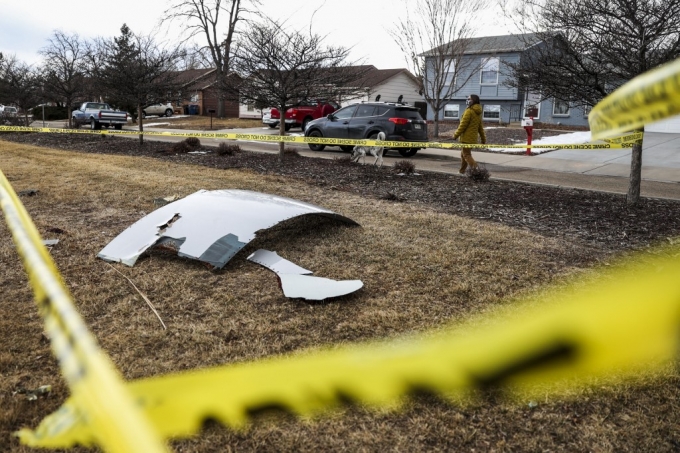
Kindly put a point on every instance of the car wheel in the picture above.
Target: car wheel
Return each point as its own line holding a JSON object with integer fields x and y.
{"x": 347, "y": 148}
{"x": 75, "y": 123}
{"x": 287, "y": 127}
{"x": 273, "y": 125}
{"x": 168, "y": 112}
{"x": 94, "y": 125}
{"x": 408, "y": 152}
{"x": 314, "y": 146}
{"x": 305, "y": 123}
{"x": 118, "y": 127}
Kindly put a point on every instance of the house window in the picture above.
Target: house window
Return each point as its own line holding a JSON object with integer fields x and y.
{"x": 492, "y": 112}
{"x": 450, "y": 72}
{"x": 560, "y": 108}
{"x": 451, "y": 111}
{"x": 194, "y": 97}
{"x": 250, "y": 107}
{"x": 532, "y": 105}
{"x": 490, "y": 71}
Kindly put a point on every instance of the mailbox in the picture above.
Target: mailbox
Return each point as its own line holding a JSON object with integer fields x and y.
{"x": 211, "y": 110}
{"x": 528, "y": 125}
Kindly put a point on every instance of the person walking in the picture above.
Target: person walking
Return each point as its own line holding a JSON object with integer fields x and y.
{"x": 470, "y": 126}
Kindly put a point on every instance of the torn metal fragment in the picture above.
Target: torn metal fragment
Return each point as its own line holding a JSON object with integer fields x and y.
{"x": 210, "y": 226}
{"x": 316, "y": 288}
{"x": 274, "y": 262}
{"x": 296, "y": 285}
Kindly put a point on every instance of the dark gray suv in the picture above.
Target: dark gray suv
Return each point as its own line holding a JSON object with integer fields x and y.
{"x": 399, "y": 122}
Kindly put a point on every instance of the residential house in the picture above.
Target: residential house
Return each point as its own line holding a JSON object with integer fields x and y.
{"x": 200, "y": 96}
{"x": 389, "y": 84}
{"x": 501, "y": 103}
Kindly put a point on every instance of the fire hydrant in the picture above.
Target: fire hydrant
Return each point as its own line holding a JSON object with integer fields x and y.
{"x": 528, "y": 126}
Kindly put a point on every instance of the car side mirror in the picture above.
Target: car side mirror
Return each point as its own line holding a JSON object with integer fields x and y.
{"x": 330, "y": 116}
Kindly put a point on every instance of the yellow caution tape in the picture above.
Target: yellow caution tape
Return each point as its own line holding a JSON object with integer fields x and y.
{"x": 622, "y": 323}
{"x": 614, "y": 144}
{"x": 632, "y": 138}
{"x": 649, "y": 97}
{"x": 108, "y": 411}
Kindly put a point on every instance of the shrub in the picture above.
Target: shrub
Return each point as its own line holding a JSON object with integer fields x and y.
{"x": 193, "y": 142}
{"x": 391, "y": 196}
{"x": 52, "y": 113}
{"x": 406, "y": 167}
{"x": 344, "y": 160}
{"x": 180, "y": 147}
{"x": 225, "y": 149}
{"x": 478, "y": 173}
{"x": 291, "y": 152}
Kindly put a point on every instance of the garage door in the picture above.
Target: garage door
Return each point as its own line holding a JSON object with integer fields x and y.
{"x": 670, "y": 125}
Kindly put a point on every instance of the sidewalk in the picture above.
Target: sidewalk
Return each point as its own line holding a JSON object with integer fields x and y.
{"x": 601, "y": 170}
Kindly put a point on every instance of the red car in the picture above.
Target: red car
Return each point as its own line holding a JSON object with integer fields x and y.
{"x": 301, "y": 114}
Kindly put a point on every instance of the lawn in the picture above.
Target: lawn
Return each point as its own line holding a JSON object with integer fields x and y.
{"x": 422, "y": 269}
{"x": 202, "y": 123}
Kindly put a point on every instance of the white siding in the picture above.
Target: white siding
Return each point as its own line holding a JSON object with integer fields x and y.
{"x": 389, "y": 91}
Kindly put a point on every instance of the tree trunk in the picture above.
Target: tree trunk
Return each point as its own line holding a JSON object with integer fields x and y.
{"x": 68, "y": 112}
{"x": 436, "y": 123}
{"x": 635, "y": 174}
{"x": 282, "y": 131}
{"x": 141, "y": 124}
{"x": 220, "y": 92}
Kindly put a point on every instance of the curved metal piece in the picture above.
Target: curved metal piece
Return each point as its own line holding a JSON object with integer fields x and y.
{"x": 210, "y": 226}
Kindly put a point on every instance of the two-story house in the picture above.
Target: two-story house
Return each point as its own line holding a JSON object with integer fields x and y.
{"x": 488, "y": 57}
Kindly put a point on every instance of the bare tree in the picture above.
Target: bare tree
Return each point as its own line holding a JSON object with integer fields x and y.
{"x": 590, "y": 47}
{"x": 135, "y": 70}
{"x": 205, "y": 18}
{"x": 19, "y": 85}
{"x": 281, "y": 68}
{"x": 64, "y": 68}
{"x": 434, "y": 37}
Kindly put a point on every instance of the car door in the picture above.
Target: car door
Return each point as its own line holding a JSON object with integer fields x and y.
{"x": 338, "y": 125}
{"x": 362, "y": 121}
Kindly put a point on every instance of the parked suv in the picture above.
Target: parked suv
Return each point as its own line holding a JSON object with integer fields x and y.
{"x": 399, "y": 122}
{"x": 157, "y": 109}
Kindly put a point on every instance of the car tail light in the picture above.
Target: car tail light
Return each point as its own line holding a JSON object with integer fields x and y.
{"x": 399, "y": 121}
{"x": 100, "y": 115}
{"x": 294, "y": 112}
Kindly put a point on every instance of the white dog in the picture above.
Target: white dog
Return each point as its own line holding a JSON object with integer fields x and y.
{"x": 376, "y": 151}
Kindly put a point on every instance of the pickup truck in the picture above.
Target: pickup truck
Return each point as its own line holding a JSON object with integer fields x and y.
{"x": 98, "y": 114}
{"x": 301, "y": 114}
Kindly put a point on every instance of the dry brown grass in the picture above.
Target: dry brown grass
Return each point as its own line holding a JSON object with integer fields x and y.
{"x": 421, "y": 270}
{"x": 202, "y": 123}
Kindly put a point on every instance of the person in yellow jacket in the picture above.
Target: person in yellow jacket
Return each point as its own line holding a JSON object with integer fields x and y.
{"x": 470, "y": 126}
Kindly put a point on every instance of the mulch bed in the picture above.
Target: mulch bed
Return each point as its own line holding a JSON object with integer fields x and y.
{"x": 602, "y": 220}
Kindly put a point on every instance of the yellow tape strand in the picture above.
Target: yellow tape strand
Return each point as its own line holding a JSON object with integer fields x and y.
{"x": 622, "y": 323}
{"x": 650, "y": 97}
{"x": 109, "y": 413}
{"x": 614, "y": 144}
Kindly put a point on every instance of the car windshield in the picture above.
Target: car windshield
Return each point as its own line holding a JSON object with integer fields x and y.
{"x": 94, "y": 105}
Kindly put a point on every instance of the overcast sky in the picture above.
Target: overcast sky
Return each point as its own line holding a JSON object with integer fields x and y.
{"x": 25, "y": 25}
